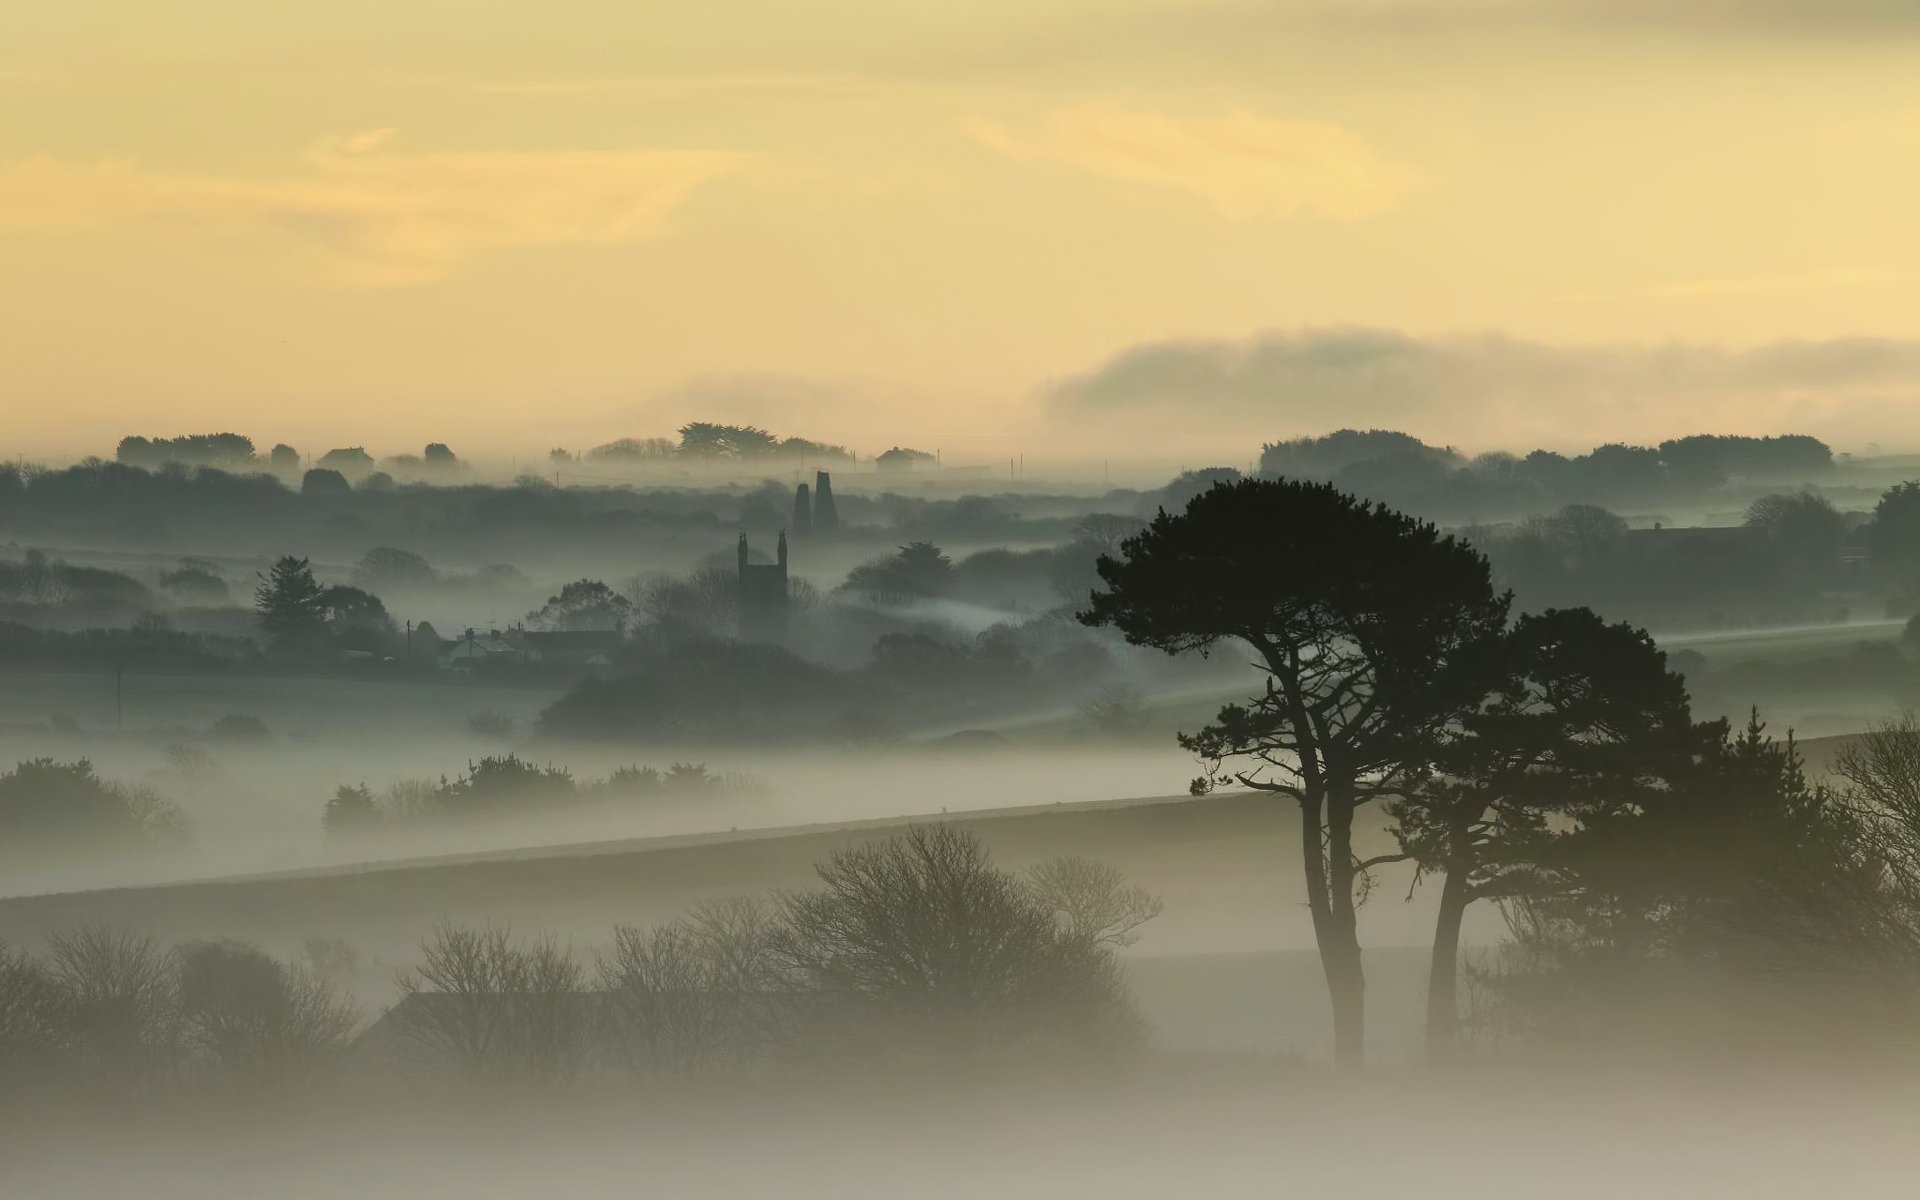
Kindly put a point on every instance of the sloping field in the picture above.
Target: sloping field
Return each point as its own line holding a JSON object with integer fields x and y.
{"x": 1226, "y": 866}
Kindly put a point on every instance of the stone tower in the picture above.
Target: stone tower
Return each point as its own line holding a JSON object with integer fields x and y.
{"x": 763, "y": 596}
{"x": 802, "y": 512}
{"x": 826, "y": 518}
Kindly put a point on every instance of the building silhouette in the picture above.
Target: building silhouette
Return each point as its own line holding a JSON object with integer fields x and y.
{"x": 802, "y": 512}
{"x": 763, "y": 596}
{"x": 826, "y": 518}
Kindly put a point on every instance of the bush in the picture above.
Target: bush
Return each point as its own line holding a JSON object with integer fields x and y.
{"x": 499, "y": 781}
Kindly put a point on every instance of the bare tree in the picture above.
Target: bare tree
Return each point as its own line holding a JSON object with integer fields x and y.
{"x": 692, "y": 996}
{"x": 29, "y": 1036}
{"x": 1093, "y": 900}
{"x": 920, "y": 947}
{"x": 486, "y": 1007}
{"x": 116, "y": 1005}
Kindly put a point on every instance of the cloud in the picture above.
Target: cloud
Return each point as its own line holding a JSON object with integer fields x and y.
{"x": 1245, "y": 166}
{"x": 380, "y": 215}
{"x": 1713, "y": 18}
{"x": 1492, "y": 391}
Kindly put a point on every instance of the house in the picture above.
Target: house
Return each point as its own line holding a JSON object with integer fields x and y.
{"x": 583, "y": 648}
{"x": 474, "y": 649}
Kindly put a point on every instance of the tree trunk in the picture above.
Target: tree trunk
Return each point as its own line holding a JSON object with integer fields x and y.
{"x": 1340, "y": 948}
{"x": 1443, "y": 974}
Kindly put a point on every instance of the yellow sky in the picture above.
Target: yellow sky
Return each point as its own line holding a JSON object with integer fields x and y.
{"x": 520, "y": 224}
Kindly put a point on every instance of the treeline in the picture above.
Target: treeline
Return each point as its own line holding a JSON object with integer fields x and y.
{"x": 1399, "y": 469}
{"x": 235, "y": 452}
{"x": 708, "y": 441}
{"x": 506, "y": 785}
{"x": 916, "y": 954}
{"x": 207, "y": 510}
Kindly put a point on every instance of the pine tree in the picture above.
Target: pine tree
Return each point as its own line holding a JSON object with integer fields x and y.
{"x": 290, "y": 602}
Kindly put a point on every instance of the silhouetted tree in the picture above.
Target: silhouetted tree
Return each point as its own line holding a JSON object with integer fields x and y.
{"x": 350, "y": 458}
{"x": 1364, "y": 623}
{"x": 583, "y": 604}
{"x": 439, "y": 454}
{"x": 291, "y": 604}
{"x": 488, "y": 1009}
{"x": 324, "y": 481}
{"x": 1804, "y": 528}
{"x": 1583, "y": 722}
{"x": 284, "y": 458}
{"x": 918, "y": 571}
{"x": 351, "y": 810}
{"x": 1893, "y": 535}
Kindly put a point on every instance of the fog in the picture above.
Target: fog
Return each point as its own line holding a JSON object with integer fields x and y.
{"x": 1225, "y": 831}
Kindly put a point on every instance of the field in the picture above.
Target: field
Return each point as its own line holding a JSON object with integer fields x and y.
{"x": 1227, "y": 966}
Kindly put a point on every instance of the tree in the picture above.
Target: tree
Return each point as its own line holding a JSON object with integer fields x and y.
{"x": 1744, "y": 872}
{"x": 920, "y": 946}
{"x": 502, "y": 781}
{"x": 357, "y": 619}
{"x": 284, "y": 458}
{"x": 116, "y": 1004}
{"x": 583, "y": 604}
{"x": 490, "y": 1009}
{"x": 1893, "y": 534}
{"x": 351, "y": 810}
{"x": 290, "y": 601}
{"x": 1092, "y": 900}
{"x": 438, "y": 454}
{"x": 1365, "y": 624}
{"x": 349, "y": 458}
{"x": 694, "y": 995}
{"x": 918, "y": 571}
{"x": 46, "y": 805}
{"x": 254, "y": 1017}
{"x": 1582, "y": 722}
{"x": 1803, "y": 527}
{"x": 325, "y": 481}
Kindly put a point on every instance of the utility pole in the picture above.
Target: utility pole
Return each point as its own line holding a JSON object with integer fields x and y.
{"x": 409, "y": 641}
{"x": 119, "y": 708}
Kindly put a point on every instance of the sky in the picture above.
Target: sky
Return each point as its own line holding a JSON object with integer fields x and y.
{"x": 1056, "y": 227}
